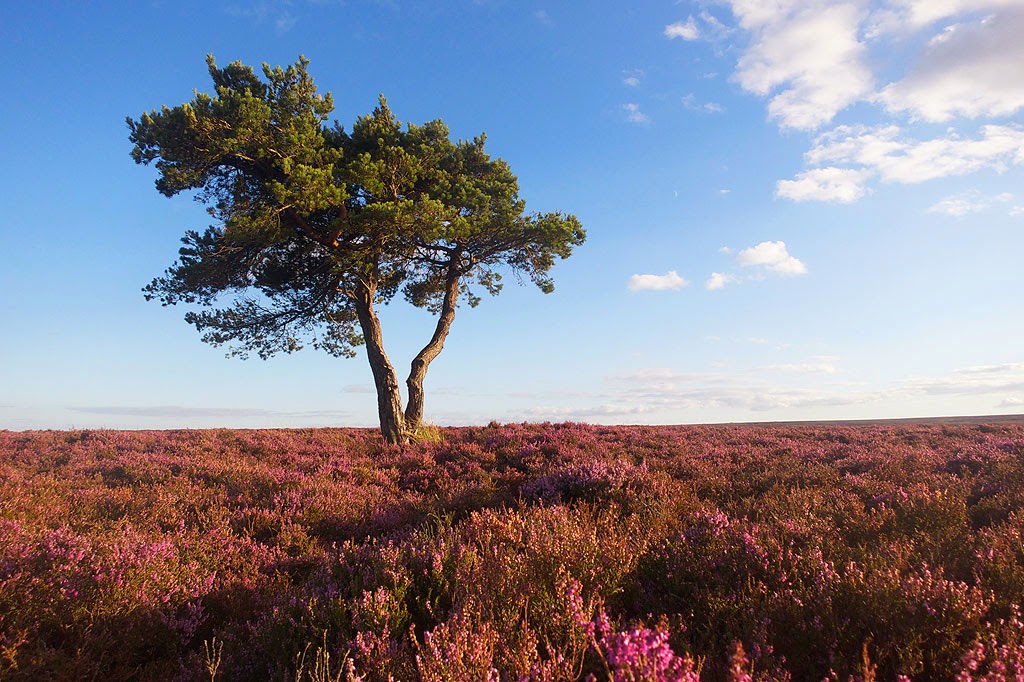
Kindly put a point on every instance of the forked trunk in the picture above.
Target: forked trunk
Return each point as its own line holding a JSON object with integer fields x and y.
{"x": 397, "y": 426}
{"x": 418, "y": 370}
{"x": 389, "y": 396}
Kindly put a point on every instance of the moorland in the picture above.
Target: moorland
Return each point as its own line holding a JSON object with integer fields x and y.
{"x": 515, "y": 552}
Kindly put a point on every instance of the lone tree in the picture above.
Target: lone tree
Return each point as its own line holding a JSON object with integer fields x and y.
{"x": 316, "y": 226}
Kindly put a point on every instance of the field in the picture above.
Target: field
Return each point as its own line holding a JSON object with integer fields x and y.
{"x": 515, "y": 553}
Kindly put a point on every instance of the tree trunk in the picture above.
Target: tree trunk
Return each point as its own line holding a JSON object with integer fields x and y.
{"x": 389, "y": 396}
{"x": 418, "y": 370}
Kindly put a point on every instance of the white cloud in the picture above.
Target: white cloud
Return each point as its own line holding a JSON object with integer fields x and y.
{"x": 543, "y": 17}
{"x": 754, "y": 14}
{"x": 886, "y": 152}
{"x": 808, "y": 53}
{"x": 766, "y": 257}
{"x": 634, "y": 115}
{"x": 813, "y": 56}
{"x": 1011, "y": 402}
{"x": 969, "y": 70}
{"x": 959, "y": 205}
{"x": 772, "y": 256}
{"x": 914, "y": 61}
{"x": 686, "y": 31}
{"x": 842, "y": 185}
{"x": 670, "y": 281}
{"x": 718, "y": 280}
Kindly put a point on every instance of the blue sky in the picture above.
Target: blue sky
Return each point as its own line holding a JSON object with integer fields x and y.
{"x": 795, "y": 209}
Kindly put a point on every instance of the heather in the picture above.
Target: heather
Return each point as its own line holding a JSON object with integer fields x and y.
{"x": 515, "y": 553}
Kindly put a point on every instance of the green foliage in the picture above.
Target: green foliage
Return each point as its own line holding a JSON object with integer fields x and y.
{"x": 427, "y": 433}
{"x": 312, "y": 220}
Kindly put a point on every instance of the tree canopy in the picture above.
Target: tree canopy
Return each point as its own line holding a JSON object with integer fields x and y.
{"x": 315, "y": 226}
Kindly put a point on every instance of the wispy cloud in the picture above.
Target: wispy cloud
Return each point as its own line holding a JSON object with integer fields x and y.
{"x": 275, "y": 12}
{"x": 890, "y": 154}
{"x": 632, "y": 78}
{"x": 686, "y": 30}
{"x": 634, "y": 115}
{"x": 561, "y": 412}
{"x": 825, "y": 364}
{"x": 991, "y": 370}
{"x": 713, "y": 28}
{"x": 285, "y": 22}
{"x": 968, "y": 384}
{"x": 676, "y": 392}
{"x": 172, "y": 411}
{"x": 691, "y": 103}
{"x": 805, "y": 385}
{"x": 856, "y": 156}
{"x": 191, "y": 412}
{"x": 670, "y": 281}
{"x": 959, "y": 205}
{"x": 762, "y": 341}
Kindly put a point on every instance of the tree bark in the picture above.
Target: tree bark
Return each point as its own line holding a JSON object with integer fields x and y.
{"x": 389, "y": 396}
{"x": 418, "y": 369}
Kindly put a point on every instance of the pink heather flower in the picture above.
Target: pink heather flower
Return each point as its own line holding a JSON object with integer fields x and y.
{"x": 998, "y": 656}
{"x": 640, "y": 654}
{"x": 739, "y": 665}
